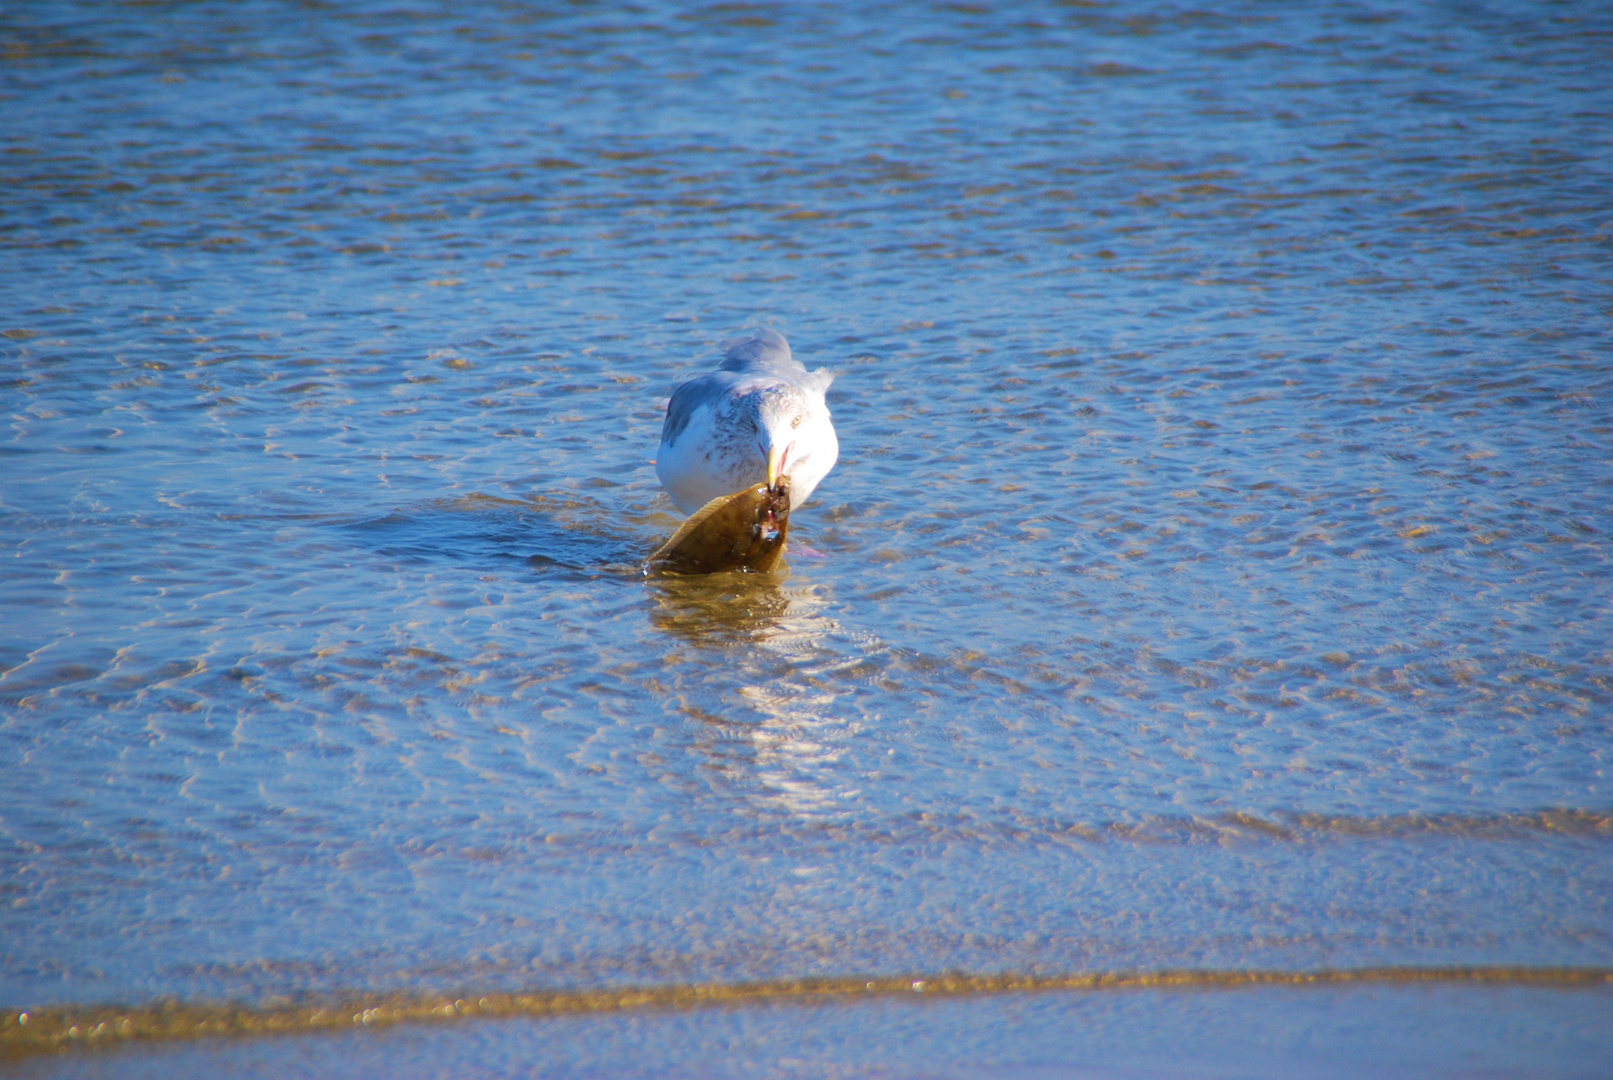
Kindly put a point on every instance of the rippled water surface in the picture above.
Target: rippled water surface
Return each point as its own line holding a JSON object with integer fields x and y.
{"x": 1216, "y": 573}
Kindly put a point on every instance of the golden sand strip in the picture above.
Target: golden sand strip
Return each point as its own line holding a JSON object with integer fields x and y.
{"x": 48, "y": 1029}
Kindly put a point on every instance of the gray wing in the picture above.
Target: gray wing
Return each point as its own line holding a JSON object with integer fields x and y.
{"x": 765, "y": 352}
{"x": 762, "y": 351}
{"x": 688, "y": 397}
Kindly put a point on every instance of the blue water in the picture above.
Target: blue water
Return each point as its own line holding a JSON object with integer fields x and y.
{"x": 1238, "y": 1035}
{"x": 1216, "y": 573}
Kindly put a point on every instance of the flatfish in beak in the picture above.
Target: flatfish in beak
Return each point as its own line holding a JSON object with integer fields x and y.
{"x": 742, "y": 531}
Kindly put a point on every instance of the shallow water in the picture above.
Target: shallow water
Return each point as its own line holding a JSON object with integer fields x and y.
{"x": 1216, "y": 573}
{"x": 1417, "y": 1033}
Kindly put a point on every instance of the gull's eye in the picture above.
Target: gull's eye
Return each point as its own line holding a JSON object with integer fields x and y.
{"x": 796, "y": 422}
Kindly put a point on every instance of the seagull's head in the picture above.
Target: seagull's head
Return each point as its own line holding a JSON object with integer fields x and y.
{"x": 780, "y": 413}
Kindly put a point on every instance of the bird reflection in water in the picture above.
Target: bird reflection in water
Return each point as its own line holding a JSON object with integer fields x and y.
{"x": 769, "y": 683}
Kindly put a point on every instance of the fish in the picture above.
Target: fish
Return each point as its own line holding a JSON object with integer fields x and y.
{"x": 743, "y": 531}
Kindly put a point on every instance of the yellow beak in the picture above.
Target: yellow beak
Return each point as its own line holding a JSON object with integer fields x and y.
{"x": 776, "y": 459}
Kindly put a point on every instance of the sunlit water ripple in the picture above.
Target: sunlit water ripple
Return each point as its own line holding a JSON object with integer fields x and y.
{"x": 1216, "y": 573}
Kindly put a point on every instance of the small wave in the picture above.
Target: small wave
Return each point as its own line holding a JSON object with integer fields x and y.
{"x": 51, "y": 1030}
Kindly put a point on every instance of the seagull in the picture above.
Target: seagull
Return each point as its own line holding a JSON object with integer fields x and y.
{"x": 759, "y": 416}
